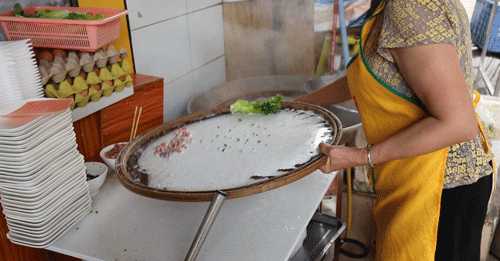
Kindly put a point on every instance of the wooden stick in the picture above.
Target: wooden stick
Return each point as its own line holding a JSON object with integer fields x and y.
{"x": 137, "y": 122}
{"x": 334, "y": 38}
{"x": 133, "y": 124}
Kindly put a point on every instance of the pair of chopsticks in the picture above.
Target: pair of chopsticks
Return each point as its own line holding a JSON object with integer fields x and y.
{"x": 135, "y": 122}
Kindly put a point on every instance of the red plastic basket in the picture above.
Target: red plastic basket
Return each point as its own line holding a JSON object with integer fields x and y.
{"x": 80, "y": 35}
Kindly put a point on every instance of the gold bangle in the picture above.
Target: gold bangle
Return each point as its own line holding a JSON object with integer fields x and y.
{"x": 369, "y": 156}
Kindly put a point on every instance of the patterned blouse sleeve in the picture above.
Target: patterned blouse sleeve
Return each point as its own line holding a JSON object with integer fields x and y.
{"x": 410, "y": 23}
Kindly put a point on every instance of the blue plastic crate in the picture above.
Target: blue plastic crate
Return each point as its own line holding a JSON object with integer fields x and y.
{"x": 479, "y": 24}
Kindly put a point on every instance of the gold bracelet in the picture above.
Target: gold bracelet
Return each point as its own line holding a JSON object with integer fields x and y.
{"x": 369, "y": 156}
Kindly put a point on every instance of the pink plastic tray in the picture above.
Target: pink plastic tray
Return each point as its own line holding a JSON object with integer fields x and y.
{"x": 80, "y": 35}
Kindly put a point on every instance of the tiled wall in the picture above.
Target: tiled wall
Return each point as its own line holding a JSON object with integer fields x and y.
{"x": 181, "y": 41}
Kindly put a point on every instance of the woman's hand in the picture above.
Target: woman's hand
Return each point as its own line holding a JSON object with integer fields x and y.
{"x": 342, "y": 157}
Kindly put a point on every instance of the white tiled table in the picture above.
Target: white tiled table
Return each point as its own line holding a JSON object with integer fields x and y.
{"x": 126, "y": 226}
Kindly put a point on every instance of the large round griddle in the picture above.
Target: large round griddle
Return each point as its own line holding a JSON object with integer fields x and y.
{"x": 135, "y": 178}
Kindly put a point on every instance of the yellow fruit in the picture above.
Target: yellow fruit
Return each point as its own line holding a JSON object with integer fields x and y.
{"x": 107, "y": 89}
{"x": 105, "y": 74}
{"x": 79, "y": 84}
{"x": 51, "y": 91}
{"x": 65, "y": 89}
{"x": 119, "y": 85}
{"x": 92, "y": 78}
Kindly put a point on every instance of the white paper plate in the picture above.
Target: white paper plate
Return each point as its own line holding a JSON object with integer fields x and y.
{"x": 16, "y": 157}
{"x": 41, "y": 227}
{"x": 75, "y": 206}
{"x": 41, "y": 214}
{"x": 51, "y": 182}
{"x": 48, "y": 240}
{"x": 27, "y": 171}
{"x": 45, "y": 175}
{"x": 44, "y": 130}
{"x": 15, "y": 180}
{"x": 45, "y": 196}
{"x": 39, "y": 122}
{"x": 22, "y": 138}
{"x": 45, "y": 216}
{"x": 27, "y": 204}
{"x": 11, "y": 147}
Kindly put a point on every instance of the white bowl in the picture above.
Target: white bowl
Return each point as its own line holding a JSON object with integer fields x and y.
{"x": 110, "y": 162}
{"x": 99, "y": 171}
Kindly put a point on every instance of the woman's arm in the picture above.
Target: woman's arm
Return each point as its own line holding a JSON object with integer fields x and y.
{"x": 334, "y": 93}
{"x": 435, "y": 75}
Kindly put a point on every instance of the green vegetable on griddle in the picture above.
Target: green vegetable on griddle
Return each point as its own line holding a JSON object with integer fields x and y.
{"x": 267, "y": 106}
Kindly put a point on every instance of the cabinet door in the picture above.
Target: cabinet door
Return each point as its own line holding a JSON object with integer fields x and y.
{"x": 88, "y": 136}
{"x": 116, "y": 120}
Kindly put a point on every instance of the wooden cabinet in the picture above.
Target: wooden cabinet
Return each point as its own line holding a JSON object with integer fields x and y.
{"x": 112, "y": 124}
{"x": 93, "y": 132}
{"x": 116, "y": 120}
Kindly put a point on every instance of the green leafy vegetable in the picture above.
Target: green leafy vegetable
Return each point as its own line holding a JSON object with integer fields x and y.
{"x": 18, "y": 10}
{"x": 84, "y": 16}
{"x": 56, "y": 14}
{"x": 52, "y": 14}
{"x": 63, "y": 14}
{"x": 267, "y": 106}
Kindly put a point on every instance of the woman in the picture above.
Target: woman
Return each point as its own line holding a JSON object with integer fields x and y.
{"x": 412, "y": 84}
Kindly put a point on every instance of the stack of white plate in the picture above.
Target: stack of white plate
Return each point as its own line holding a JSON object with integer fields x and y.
{"x": 19, "y": 75}
{"x": 43, "y": 187}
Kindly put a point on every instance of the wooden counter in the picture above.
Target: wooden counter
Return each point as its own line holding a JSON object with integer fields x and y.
{"x": 94, "y": 132}
{"x": 113, "y": 124}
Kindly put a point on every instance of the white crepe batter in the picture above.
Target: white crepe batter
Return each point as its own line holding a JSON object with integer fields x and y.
{"x": 227, "y": 150}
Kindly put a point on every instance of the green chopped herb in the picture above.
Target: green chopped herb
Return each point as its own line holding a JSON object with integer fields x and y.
{"x": 267, "y": 106}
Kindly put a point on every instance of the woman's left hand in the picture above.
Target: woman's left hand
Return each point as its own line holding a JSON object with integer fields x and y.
{"x": 342, "y": 157}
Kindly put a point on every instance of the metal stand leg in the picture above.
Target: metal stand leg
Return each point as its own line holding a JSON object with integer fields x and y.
{"x": 205, "y": 226}
{"x": 343, "y": 35}
{"x": 489, "y": 27}
{"x": 481, "y": 72}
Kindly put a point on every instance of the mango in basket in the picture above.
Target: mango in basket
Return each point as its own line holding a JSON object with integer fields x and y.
{"x": 105, "y": 74}
{"x": 119, "y": 85}
{"x": 79, "y": 84}
{"x": 116, "y": 71}
{"x": 128, "y": 80}
{"x": 93, "y": 79}
{"x": 82, "y": 98}
{"x": 126, "y": 67}
{"x": 65, "y": 89}
{"x": 107, "y": 80}
{"x": 107, "y": 88}
{"x": 51, "y": 91}
{"x": 95, "y": 92}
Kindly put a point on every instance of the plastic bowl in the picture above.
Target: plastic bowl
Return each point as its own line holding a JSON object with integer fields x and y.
{"x": 99, "y": 171}
{"x": 110, "y": 162}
